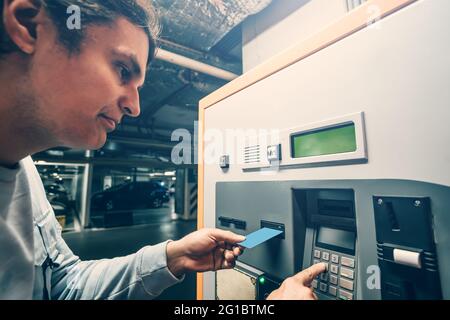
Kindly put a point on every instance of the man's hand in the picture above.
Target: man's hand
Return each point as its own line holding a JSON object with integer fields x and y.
{"x": 298, "y": 287}
{"x": 204, "y": 250}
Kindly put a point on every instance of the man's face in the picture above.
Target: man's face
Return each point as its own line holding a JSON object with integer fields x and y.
{"x": 80, "y": 97}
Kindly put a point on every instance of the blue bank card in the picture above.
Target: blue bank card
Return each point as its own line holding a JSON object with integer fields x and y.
{"x": 258, "y": 237}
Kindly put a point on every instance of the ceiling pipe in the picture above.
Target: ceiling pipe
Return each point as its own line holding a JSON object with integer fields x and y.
{"x": 192, "y": 64}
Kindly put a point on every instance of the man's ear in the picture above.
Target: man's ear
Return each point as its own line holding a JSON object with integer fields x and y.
{"x": 19, "y": 18}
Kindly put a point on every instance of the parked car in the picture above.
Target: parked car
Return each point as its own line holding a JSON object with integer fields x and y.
{"x": 129, "y": 196}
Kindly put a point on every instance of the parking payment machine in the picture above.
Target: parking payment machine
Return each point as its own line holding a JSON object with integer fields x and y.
{"x": 341, "y": 143}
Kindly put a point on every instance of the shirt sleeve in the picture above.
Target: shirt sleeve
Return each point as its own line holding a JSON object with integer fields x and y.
{"x": 143, "y": 275}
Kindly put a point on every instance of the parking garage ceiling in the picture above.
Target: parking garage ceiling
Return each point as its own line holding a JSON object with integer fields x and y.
{"x": 207, "y": 31}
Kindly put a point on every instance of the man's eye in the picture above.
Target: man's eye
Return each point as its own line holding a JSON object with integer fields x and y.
{"x": 124, "y": 73}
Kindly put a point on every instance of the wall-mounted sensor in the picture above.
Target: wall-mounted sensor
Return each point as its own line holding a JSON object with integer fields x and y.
{"x": 224, "y": 162}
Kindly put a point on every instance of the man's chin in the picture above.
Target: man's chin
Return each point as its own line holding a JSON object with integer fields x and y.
{"x": 99, "y": 144}
{"x": 89, "y": 143}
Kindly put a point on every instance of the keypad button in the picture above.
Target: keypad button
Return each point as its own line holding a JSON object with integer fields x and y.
{"x": 333, "y": 291}
{"x": 348, "y": 273}
{"x": 323, "y": 287}
{"x": 333, "y": 279}
{"x": 314, "y": 284}
{"x": 317, "y": 254}
{"x": 344, "y": 295}
{"x": 334, "y": 258}
{"x": 324, "y": 276}
{"x": 334, "y": 269}
{"x": 325, "y": 256}
{"x": 348, "y": 262}
{"x": 315, "y": 261}
{"x": 346, "y": 284}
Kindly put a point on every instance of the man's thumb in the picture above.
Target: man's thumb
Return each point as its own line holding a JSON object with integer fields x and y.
{"x": 227, "y": 236}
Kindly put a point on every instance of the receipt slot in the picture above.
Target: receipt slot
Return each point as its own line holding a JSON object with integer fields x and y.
{"x": 406, "y": 248}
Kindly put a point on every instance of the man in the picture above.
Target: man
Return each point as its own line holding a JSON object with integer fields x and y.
{"x": 63, "y": 87}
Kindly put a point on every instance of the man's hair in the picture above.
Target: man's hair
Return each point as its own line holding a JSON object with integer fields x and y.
{"x": 93, "y": 12}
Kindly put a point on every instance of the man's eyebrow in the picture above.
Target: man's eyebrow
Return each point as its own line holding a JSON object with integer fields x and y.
{"x": 132, "y": 59}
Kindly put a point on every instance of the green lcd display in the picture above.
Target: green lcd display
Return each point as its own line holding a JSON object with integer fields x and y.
{"x": 339, "y": 139}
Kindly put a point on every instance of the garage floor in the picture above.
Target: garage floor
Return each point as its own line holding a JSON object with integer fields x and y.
{"x": 109, "y": 243}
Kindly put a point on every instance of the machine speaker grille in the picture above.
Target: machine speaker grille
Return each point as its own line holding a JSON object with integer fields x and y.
{"x": 252, "y": 154}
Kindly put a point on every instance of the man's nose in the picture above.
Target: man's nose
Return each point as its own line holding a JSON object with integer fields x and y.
{"x": 129, "y": 104}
